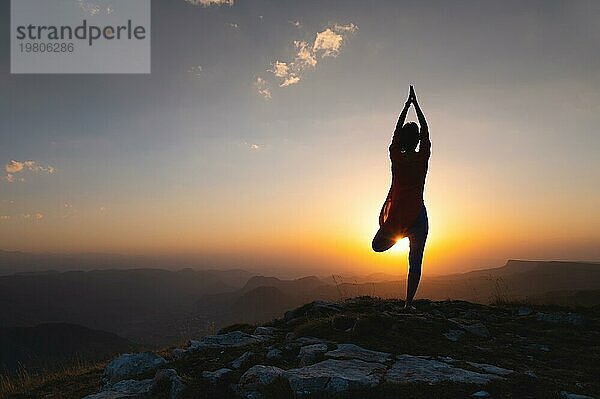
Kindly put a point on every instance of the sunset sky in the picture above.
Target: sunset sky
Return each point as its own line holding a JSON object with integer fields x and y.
{"x": 261, "y": 136}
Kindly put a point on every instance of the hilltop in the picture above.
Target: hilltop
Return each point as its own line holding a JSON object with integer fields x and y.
{"x": 369, "y": 347}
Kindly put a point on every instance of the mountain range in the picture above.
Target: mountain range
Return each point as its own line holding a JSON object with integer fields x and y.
{"x": 156, "y": 308}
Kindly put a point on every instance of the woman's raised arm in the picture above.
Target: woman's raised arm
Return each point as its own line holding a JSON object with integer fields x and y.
{"x": 424, "y": 128}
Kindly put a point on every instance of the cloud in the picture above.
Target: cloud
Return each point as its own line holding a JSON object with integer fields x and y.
{"x": 253, "y": 146}
{"x": 208, "y": 3}
{"x": 349, "y": 28}
{"x": 290, "y": 80}
{"x": 94, "y": 9}
{"x": 263, "y": 88}
{"x": 36, "y": 216}
{"x": 195, "y": 71}
{"x": 305, "y": 56}
{"x": 280, "y": 69}
{"x": 13, "y": 167}
{"x": 327, "y": 43}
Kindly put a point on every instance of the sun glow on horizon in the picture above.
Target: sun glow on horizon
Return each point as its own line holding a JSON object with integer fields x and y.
{"x": 402, "y": 245}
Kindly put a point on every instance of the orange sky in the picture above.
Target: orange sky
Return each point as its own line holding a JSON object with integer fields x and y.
{"x": 203, "y": 158}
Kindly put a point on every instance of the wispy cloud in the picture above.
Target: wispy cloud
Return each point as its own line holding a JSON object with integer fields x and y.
{"x": 327, "y": 43}
{"x": 253, "y": 146}
{"x": 195, "y": 71}
{"x": 14, "y": 167}
{"x": 33, "y": 216}
{"x": 208, "y": 3}
{"x": 263, "y": 88}
{"x": 94, "y": 9}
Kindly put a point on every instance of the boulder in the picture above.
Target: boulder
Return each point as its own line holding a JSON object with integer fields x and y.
{"x": 539, "y": 347}
{"x": 234, "y": 339}
{"x": 491, "y": 369}
{"x": 454, "y": 335}
{"x": 178, "y": 353}
{"x": 303, "y": 341}
{"x": 131, "y": 389}
{"x": 130, "y": 365}
{"x": 568, "y": 395}
{"x": 409, "y": 369}
{"x": 264, "y": 331}
{"x": 256, "y": 380}
{"x": 167, "y": 381}
{"x": 524, "y": 311}
{"x": 240, "y": 361}
{"x": 476, "y": 328}
{"x": 216, "y": 377}
{"x": 575, "y": 319}
{"x": 334, "y": 376}
{"x": 310, "y": 353}
{"x": 274, "y": 354}
{"x": 351, "y": 351}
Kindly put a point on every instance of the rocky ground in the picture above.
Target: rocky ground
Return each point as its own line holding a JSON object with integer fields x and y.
{"x": 372, "y": 348}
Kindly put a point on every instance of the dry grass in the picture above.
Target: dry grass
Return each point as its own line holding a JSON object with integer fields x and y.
{"x": 23, "y": 381}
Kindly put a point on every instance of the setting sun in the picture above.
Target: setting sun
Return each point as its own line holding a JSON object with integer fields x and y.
{"x": 402, "y": 245}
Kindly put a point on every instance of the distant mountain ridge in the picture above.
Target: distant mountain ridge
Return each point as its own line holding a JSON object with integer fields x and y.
{"x": 158, "y": 307}
{"x": 54, "y": 345}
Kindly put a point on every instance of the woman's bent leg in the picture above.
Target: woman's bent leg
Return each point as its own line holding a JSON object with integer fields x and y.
{"x": 382, "y": 241}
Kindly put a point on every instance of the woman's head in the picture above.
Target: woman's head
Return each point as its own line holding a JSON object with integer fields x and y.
{"x": 409, "y": 137}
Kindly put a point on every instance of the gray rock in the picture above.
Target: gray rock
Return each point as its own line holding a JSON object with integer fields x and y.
{"x": 310, "y": 353}
{"x": 409, "y": 369}
{"x": 491, "y": 369}
{"x": 131, "y": 389}
{"x": 539, "y": 347}
{"x": 575, "y": 319}
{"x": 477, "y": 328}
{"x": 264, "y": 331}
{"x": 524, "y": 311}
{"x": 251, "y": 395}
{"x": 445, "y": 359}
{"x": 351, "y": 351}
{"x": 130, "y": 365}
{"x": 234, "y": 339}
{"x": 334, "y": 376}
{"x": 240, "y": 361}
{"x": 568, "y": 395}
{"x": 454, "y": 335}
{"x": 257, "y": 378}
{"x": 303, "y": 341}
{"x": 178, "y": 353}
{"x": 274, "y": 354}
{"x": 216, "y": 377}
{"x": 481, "y": 394}
{"x": 530, "y": 373}
{"x": 167, "y": 380}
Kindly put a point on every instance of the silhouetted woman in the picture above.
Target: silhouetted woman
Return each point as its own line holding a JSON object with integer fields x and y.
{"x": 403, "y": 213}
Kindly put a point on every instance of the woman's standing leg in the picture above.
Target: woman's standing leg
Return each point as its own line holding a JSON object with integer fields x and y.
{"x": 417, "y": 236}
